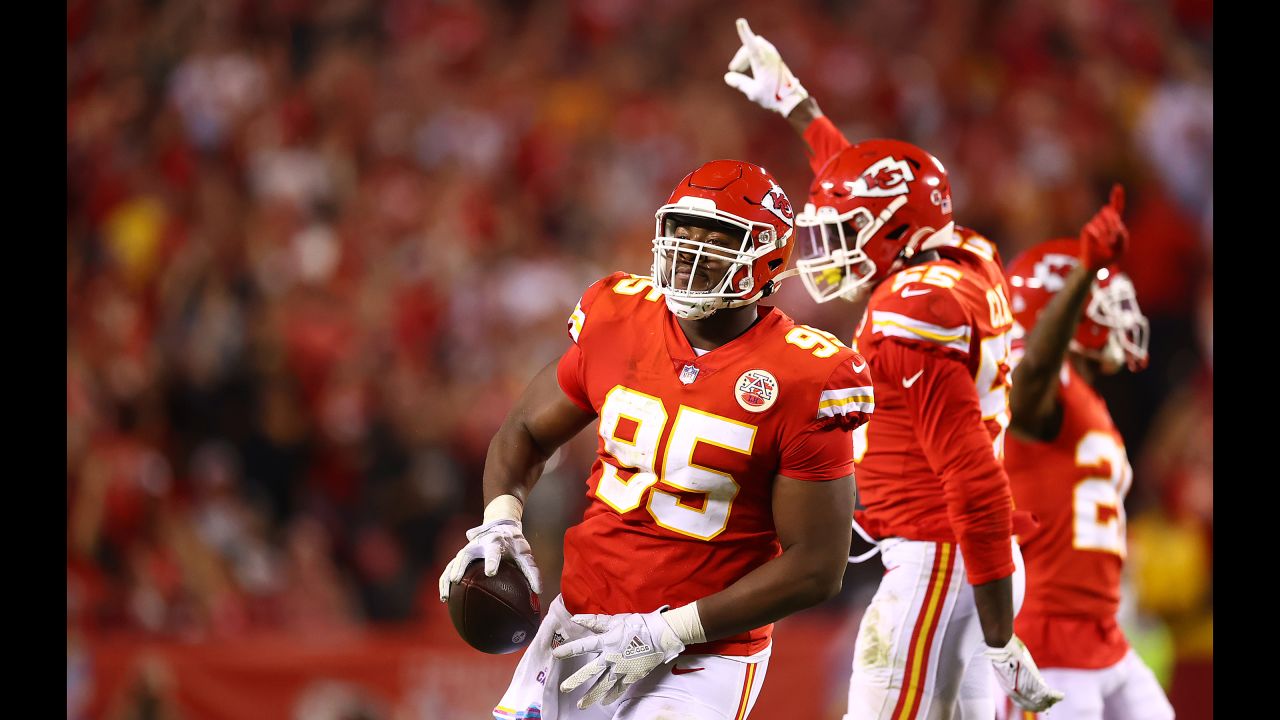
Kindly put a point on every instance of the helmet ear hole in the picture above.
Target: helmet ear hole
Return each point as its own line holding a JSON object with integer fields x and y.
{"x": 896, "y": 233}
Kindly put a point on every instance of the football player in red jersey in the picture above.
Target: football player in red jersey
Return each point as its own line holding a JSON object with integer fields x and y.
{"x": 936, "y": 332}
{"x": 1067, "y": 464}
{"x": 719, "y": 497}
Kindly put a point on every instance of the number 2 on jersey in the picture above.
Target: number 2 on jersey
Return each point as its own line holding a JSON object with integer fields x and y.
{"x": 631, "y": 425}
{"x": 1099, "y": 501}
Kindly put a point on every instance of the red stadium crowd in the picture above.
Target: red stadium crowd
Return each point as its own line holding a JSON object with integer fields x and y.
{"x": 316, "y": 248}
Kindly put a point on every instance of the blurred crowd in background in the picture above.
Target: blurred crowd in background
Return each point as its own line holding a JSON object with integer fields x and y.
{"x": 316, "y": 248}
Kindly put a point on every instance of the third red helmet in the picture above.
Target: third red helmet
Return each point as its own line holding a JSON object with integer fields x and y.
{"x": 1113, "y": 329}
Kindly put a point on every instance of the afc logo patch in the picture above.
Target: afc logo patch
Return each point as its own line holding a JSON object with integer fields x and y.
{"x": 756, "y": 390}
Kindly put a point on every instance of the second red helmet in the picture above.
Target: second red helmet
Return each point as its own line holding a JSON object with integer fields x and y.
{"x": 871, "y": 207}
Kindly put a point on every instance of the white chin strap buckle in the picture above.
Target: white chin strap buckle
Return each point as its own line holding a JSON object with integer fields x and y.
{"x": 691, "y": 310}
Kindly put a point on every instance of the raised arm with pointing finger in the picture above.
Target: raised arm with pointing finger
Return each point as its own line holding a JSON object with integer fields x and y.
{"x": 937, "y": 333}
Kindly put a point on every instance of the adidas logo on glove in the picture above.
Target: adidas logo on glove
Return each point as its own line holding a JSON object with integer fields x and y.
{"x": 636, "y": 647}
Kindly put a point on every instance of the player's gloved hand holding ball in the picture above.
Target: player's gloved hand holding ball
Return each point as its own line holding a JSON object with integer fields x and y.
{"x": 1020, "y": 678}
{"x": 1104, "y": 239}
{"x": 770, "y": 84}
{"x": 499, "y": 536}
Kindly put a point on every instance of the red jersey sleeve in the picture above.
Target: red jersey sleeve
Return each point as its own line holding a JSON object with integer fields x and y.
{"x": 824, "y": 141}
{"x": 578, "y": 318}
{"x": 569, "y": 375}
{"x": 943, "y": 404}
{"x": 823, "y": 450}
{"x": 569, "y": 369}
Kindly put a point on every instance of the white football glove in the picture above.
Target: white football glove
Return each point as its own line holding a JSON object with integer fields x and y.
{"x": 630, "y": 646}
{"x": 492, "y": 541}
{"x": 770, "y": 84}
{"x": 1020, "y": 678}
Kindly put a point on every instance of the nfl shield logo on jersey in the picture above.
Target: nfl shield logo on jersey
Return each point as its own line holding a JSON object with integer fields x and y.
{"x": 756, "y": 391}
{"x": 688, "y": 374}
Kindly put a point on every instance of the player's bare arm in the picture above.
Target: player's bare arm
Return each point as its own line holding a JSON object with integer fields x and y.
{"x": 542, "y": 420}
{"x": 1033, "y": 399}
{"x": 804, "y": 115}
{"x": 812, "y": 520}
{"x": 994, "y": 601}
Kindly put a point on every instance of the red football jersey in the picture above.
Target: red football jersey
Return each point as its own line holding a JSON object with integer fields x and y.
{"x": 680, "y": 494}
{"x": 922, "y": 473}
{"x": 1076, "y": 485}
{"x": 954, "y": 308}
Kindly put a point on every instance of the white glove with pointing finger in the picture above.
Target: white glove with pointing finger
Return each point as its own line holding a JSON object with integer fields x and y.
{"x": 770, "y": 84}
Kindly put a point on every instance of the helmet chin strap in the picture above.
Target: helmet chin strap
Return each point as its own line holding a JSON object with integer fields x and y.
{"x": 1111, "y": 357}
{"x": 789, "y": 272}
{"x": 941, "y": 238}
{"x": 691, "y": 310}
{"x": 703, "y": 309}
{"x": 1113, "y": 352}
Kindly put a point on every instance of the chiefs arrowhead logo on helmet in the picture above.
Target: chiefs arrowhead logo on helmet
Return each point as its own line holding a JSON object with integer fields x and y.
{"x": 1051, "y": 272}
{"x": 872, "y": 206}
{"x": 1113, "y": 329}
{"x": 776, "y": 202}
{"x": 885, "y": 178}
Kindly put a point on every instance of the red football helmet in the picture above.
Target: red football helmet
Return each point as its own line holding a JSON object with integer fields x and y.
{"x": 736, "y": 198}
{"x": 1113, "y": 330}
{"x": 871, "y": 207}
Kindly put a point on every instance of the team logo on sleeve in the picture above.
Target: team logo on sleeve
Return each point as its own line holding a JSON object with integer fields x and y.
{"x": 756, "y": 390}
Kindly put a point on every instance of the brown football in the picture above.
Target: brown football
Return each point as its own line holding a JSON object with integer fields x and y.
{"x": 498, "y": 614}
